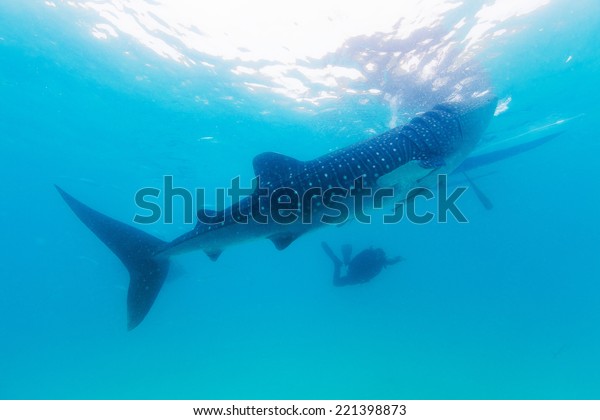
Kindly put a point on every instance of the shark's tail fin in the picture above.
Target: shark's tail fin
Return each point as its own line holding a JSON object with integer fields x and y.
{"x": 138, "y": 252}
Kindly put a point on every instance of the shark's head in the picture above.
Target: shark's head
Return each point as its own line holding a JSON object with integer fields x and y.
{"x": 443, "y": 138}
{"x": 473, "y": 115}
{"x": 465, "y": 122}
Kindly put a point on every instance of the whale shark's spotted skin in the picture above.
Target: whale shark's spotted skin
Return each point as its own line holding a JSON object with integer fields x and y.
{"x": 402, "y": 158}
{"x": 430, "y": 136}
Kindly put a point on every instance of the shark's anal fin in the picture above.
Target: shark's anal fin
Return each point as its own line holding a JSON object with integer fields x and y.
{"x": 214, "y": 255}
{"x": 283, "y": 240}
{"x": 272, "y": 166}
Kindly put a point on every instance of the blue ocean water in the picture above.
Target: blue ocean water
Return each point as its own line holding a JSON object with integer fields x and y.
{"x": 504, "y": 307}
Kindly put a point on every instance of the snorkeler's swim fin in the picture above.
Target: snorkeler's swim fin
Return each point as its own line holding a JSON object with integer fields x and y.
{"x": 330, "y": 254}
{"x": 137, "y": 250}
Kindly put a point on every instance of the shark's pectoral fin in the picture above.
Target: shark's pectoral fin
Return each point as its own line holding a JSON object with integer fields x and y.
{"x": 404, "y": 177}
{"x": 432, "y": 162}
{"x": 214, "y": 255}
{"x": 283, "y": 240}
{"x": 271, "y": 166}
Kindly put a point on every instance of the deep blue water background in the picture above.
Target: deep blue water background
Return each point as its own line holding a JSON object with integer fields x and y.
{"x": 506, "y": 306}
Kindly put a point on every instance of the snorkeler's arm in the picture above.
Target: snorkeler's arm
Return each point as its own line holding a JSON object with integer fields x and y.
{"x": 346, "y": 253}
{"x": 395, "y": 260}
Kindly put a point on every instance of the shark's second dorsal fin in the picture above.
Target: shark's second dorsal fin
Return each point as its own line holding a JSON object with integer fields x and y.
{"x": 214, "y": 255}
{"x": 271, "y": 166}
{"x": 207, "y": 220}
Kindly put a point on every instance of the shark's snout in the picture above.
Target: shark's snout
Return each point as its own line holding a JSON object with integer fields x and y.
{"x": 475, "y": 114}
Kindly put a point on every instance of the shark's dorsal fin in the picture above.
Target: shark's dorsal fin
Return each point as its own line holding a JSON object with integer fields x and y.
{"x": 270, "y": 166}
{"x": 283, "y": 240}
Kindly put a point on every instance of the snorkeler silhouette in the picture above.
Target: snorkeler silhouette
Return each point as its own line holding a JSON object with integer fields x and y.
{"x": 360, "y": 269}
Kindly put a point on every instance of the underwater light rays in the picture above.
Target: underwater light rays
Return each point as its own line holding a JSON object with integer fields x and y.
{"x": 313, "y": 53}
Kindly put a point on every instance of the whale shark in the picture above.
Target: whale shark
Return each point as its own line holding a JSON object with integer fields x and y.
{"x": 413, "y": 155}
